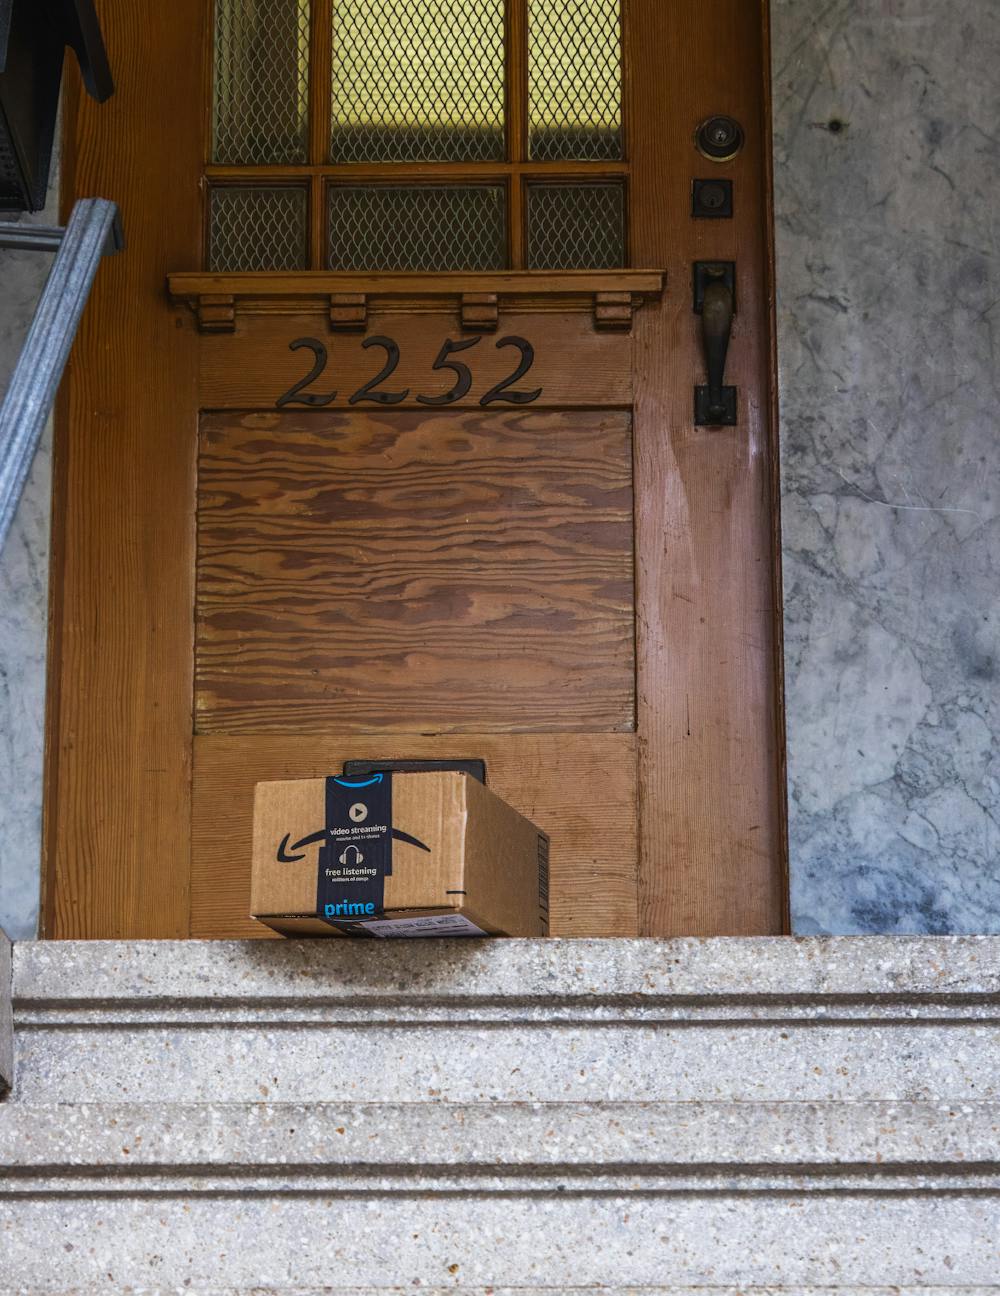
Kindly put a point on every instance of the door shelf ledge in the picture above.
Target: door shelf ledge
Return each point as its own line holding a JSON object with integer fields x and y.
{"x": 612, "y": 296}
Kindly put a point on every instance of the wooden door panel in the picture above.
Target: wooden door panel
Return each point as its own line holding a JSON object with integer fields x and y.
{"x": 118, "y": 758}
{"x": 583, "y": 590}
{"x": 415, "y": 572}
{"x": 709, "y": 646}
{"x": 575, "y": 366}
{"x": 581, "y": 788}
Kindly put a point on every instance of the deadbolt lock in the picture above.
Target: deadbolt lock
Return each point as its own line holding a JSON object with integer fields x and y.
{"x": 720, "y": 138}
{"x": 712, "y": 199}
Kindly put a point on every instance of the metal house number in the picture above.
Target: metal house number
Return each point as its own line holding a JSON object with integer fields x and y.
{"x": 374, "y": 392}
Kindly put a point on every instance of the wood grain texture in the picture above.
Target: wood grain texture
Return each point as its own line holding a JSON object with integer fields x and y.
{"x": 119, "y": 723}
{"x": 257, "y": 284}
{"x": 771, "y": 414}
{"x": 574, "y": 366}
{"x": 712, "y": 841}
{"x": 579, "y": 788}
{"x": 320, "y": 69}
{"x": 118, "y": 798}
{"x": 415, "y": 572}
{"x": 409, "y": 171}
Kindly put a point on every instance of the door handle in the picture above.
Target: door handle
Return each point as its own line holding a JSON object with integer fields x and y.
{"x": 715, "y": 404}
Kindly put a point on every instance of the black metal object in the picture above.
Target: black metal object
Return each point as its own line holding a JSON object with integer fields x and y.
{"x": 34, "y": 35}
{"x": 712, "y": 199}
{"x": 359, "y": 768}
{"x": 719, "y": 138}
{"x": 93, "y": 231}
{"x": 715, "y": 404}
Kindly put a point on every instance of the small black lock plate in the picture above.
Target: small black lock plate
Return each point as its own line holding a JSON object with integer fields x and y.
{"x": 711, "y": 199}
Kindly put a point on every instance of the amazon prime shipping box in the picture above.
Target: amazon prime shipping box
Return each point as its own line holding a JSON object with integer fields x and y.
{"x": 396, "y": 854}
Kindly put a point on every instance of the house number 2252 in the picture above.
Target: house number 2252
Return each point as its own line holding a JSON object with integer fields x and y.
{"x": 373, "y": 390}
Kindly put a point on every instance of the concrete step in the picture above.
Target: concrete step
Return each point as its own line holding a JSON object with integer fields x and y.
{"x": 697, "y": 1117}
{"x": 506, "y": 1021}
{"x": 123, "y": 1148}
{"x": 6, "y": 1015}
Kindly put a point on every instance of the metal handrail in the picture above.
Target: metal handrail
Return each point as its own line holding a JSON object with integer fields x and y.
{"x": 93, "y": 230}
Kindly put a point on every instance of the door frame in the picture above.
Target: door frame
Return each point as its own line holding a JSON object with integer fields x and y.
{"x": 117, "y": 803}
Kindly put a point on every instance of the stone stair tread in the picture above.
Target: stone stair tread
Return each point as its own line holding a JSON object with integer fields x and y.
{"x": 639, "y": 1136}
{"x": 543, "y": 972}
{"x": 707, "y": 1118}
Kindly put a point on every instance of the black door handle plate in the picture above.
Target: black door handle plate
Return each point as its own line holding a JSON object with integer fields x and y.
{"x": 715, "y": 404}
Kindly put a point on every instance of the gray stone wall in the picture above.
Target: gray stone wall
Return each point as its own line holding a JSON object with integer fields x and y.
{"x": 887, "y": 142}
{"x": 24, "y": 565}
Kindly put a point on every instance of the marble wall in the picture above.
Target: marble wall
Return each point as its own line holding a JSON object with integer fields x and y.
{"x": 887, "y": 122}
{"x": 24, "y": 565}
{"x": 887, "y": 152}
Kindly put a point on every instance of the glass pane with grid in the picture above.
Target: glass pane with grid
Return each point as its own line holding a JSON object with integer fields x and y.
{"x": 418, "y": 227}
{"x": 576, "y": 226}
{"x": 261, "y": 83}
{"x": 253, "y": 227}
{"x": 418, "y": 81}
{"x": 574, "y": 80}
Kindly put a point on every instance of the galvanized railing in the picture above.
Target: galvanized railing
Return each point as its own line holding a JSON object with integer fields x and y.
{"x": 93, "y": 230}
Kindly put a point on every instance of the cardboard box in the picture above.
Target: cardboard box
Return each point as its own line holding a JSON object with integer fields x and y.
{"x": 396, "y": 854}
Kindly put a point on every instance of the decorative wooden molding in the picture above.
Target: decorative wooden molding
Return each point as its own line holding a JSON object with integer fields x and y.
{"x": 348, "y": 312}
{"x": 216, "y": 313}
{"x": 480, "y": 312}
{"x": 479, "y": 299}
{"x": 613, "y": 311}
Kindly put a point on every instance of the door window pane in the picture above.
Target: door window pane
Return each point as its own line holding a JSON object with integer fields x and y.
{"x": 576, "y": 226}
{"x": 418, "y": 227}
{"x": 418, "y": 89}
{"x": 261, "y": 82}
{"x": 574, "y": 80}
{"x": 253, "y": 227}
{"x": 418, "y": 81}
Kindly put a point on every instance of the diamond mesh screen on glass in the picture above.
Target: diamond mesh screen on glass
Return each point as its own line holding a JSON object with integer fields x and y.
{"x": 574, "y": 80}
{"x": 418, "y": 81}
{"x": 261, "y": 100}
{"x": 257, "y": 228}
{"x": 418, "y": 227}
{"x": 576, "y": 227}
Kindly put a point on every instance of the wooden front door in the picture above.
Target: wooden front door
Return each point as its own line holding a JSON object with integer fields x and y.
{"x": 380, "y": 441}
